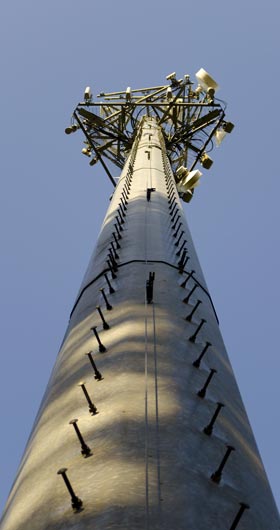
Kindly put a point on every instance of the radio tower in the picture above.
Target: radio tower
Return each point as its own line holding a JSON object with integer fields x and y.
{"x": 142, "y": 426}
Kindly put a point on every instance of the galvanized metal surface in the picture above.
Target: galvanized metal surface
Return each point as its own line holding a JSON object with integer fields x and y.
{"x": 151, "y": 462}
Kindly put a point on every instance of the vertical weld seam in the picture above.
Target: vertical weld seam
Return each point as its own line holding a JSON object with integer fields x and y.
{"x": 157, "y": 413}
{"x": 147, "y": 522}
{"x": 146, "y": 421}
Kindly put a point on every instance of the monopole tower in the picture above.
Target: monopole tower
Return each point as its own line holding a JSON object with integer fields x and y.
{"x": 142, "y": 426}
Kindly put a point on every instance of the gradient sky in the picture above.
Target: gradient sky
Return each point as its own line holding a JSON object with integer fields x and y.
{"x": 53, "y": 202}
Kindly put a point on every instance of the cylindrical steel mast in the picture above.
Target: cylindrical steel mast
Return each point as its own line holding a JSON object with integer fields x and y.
{"x": 163, "y": 440}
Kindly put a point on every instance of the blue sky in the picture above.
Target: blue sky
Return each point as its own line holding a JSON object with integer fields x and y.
{"x": 53, "y": 202}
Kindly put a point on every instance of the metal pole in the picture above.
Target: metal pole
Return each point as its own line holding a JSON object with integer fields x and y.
{"x": 152, "y": 462}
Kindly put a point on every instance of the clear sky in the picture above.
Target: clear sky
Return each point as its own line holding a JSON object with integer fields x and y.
{"x": 53, "y": 202}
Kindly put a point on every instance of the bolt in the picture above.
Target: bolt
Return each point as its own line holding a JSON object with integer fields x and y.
{"x": 112, "y": 261}
{"x": 181, "y": 248}
{"x": 125, "y": 193}
{"x": 201, "y": 393}
{"x": 189, "y": 275}
{"x": 184, "y": 264}
{"x": 171, "y": 201}
{"x": 199, "y": 359}
{"x": 174, "y": 226}
{"x": 111, "y": 269}
{"x": 75, "y": 501}
{"x": 105, "y": 324}
{"x": 97, "y": 374}
{"x": 175, "y": 216}
{"x": 120, "y": 216}
{"x": 193, "y": 337}
{"x": 173, "y": 208}
{"x": 119, "y": 224}
{"x": 187, "y": 299}
{"x": 123, "y": 203}
{"x": 92, "y": 407}
{"x": 216, "y": 477}
{"x": 116, "y": 241}
{"x": 125, "y": 189}
{"x": 122, "y": 209}
{"x": 117, "y": 230}
{"x": 111, "y": 290}
{"x": 108, "y": 306}
{"x": 189, "y": 317}
{"x": 239, "y": 514}
{"x": 102, "y": 348}
{"x": 209, "y": 428}
{"x": 179, "y": 239}
{"x": 181, "y": 261}
{"x": 116, "y": 256}
{"x": 172, "y": 195}
{"x": 85, "y": 450}
{"x": 178, "y": 227}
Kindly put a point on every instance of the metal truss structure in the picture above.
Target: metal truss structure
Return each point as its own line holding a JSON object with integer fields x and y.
{"x": 190, "y": 119}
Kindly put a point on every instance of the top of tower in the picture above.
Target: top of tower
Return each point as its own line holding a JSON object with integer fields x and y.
{"x": 190, "y": 116}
